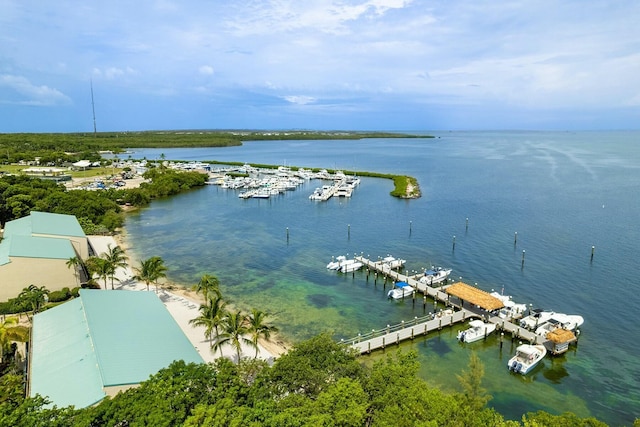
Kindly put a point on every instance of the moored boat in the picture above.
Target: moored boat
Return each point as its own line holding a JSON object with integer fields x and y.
{"x": 392, "y": 262}
{"x": 526, "y": 358}
{"x": 435, "y": 275}
{"x": 477, "y": 331}
{"x": 337, "y": 263}
{"x": 570, "y": 322}
{"x": 535, "y": 319}
{"x": 400, "y": 290}
{"x": 350, "y": 265}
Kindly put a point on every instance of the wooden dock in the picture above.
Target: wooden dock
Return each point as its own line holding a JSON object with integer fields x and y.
{"x": 374, "y": 340}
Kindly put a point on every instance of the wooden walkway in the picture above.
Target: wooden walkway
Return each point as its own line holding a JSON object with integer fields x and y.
{"x": 395, "y": 334}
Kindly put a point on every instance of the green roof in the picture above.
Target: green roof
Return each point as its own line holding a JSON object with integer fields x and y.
{"x": 56, "y": 224}
{"x": 19, "y": 241}
{"x": 134, "y": 335}
{"x": 131, "y": 334}
{"x": 64, "y": 366}
{"x": 45, "y": 223}
{"x": 39, "y": 247}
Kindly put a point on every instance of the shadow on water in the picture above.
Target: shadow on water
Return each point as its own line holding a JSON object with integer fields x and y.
{"x": 438, "y": 345}
{"x": 320, "y": 300}
{"x": 556, "y": 372}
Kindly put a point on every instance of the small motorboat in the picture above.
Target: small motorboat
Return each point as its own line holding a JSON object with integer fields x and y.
{"x": 350, "y": 265}
{"x": 477, "y": 331}
{"x": 535, "y": 319}
{"x": 393, "y": 262}
{"x": 435, "y": 275}
{"x": 337, "y": 263}
{"x": 526, "y": 358}
{"x": 401, "y": 290}
{"x": 570, "y": 322}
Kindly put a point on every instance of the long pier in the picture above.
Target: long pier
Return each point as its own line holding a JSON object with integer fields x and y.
{"x": 374, "y": 340}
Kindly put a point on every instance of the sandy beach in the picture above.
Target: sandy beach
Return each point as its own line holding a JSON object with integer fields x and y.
{"x": 183, "y": 305}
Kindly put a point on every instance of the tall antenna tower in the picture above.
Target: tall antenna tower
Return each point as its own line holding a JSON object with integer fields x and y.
{"x": 93, "y": 108}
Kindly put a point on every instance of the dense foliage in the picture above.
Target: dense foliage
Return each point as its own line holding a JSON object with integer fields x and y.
{"x": 57, "y": 148}
{"x": 97, "y": 211}
{"x": 318, "y": 383}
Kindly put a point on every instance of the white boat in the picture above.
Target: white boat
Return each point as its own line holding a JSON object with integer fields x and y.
{"x": 393, "y": 262}
{"x": 477, "y": 331}
{"x": 435, "y": 275}
{"x": 535, "y": 319}
{"x": 351, "y": 265}
{"x": 569, "y": 322}
{"x": 400, "y": 290}
{"x": 526, "y": 358}
{"x": 511, "y": 309}
{"x": 334, "y": 265}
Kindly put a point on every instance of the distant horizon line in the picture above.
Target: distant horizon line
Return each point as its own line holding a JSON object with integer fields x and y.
{"x": 323, "y": 130}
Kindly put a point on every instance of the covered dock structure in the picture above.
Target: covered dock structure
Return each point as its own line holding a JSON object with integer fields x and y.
{"x": 474, "y": 296}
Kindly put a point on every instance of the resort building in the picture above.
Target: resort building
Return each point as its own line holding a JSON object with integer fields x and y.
{"x": 35, "y": 250}
{"x": 101, "y": 343}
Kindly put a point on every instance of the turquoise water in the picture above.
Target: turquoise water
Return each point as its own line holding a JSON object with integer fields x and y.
{"x": 561, "y": 192}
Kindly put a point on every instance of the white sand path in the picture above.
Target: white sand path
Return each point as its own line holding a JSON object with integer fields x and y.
{"x": 182, "y": 309}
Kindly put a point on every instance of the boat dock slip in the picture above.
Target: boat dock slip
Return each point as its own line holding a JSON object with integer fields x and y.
{"x": 375, "y": 340}
{"x": 459, "y": 312}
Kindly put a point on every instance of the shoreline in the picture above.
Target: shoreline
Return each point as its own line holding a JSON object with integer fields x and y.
{"x": 273, "y": 348}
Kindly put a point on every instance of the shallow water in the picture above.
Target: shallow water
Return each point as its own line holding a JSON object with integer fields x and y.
{"x": 561, "y": 192}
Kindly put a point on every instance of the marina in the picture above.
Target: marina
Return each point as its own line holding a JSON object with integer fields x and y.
{"x": 480, "y": 305}
{"x": 508, "y": 185}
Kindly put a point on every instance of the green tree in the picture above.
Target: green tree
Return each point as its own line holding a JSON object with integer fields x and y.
{"x": 474, "y": 395}
{"x": 568, "y": 419}
{"x": 7, "y": 334}
{"x": 150, "y": 271}
{"x": 100, "y": 267}
{"x": 311, "y": 366}
{"x": 233, "y": 332}
{"x": 115, "y": 258}
{"x": 258, "y": 328}
{"x": 34, "y": 296}
{"x": 208, "y": 286}
{"x": 211, "y": 316}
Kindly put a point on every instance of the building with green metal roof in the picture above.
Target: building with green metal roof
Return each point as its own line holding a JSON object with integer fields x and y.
{"x": 35, "y": 249}
{"x": 101, "y": 343}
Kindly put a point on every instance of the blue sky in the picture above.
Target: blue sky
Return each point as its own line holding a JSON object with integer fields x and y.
{"x": 319, "y": 64}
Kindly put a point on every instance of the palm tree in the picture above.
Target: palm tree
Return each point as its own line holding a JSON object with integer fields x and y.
{"x": 209, "y": 286}
{"x": 34, "y": 296}
{"x": 116, "y": 258}
{"x": 74, "y": 263}
{"x": 211, "y": 315}
{"x": 234, "y": 329}
{"x": 102, "y": 267}
{"x": 258, "y": 328}
{"x": 6, "y": 334}
{"x": 150, "y": 271}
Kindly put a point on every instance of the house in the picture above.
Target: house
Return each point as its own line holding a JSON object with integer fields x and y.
{"x": 35, "y": 250}
{"x": 101, "y": 343}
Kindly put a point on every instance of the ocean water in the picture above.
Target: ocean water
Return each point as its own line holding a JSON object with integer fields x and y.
{"x": 561, "y": 192}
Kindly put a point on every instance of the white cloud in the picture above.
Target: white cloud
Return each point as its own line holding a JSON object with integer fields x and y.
{"x": 300, "y": 99}
{"x": 113, "y": 73}
{"x": 31, "y": 94}
{"x": 206, "y": 70}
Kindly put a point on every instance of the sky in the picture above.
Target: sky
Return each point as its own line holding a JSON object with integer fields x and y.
{"x": 319, "y": 64}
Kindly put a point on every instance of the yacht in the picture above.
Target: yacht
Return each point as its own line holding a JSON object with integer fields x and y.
{"x": 569, "y": 322}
